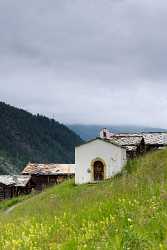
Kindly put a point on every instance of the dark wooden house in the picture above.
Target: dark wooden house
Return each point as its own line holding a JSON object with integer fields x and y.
{"x": 134, "y": 144}
{"x": 43, "y": 175}
{"x": 150, "y": 141}
{"x": 155, "y": 140}
{"x": 14, "y": 185}
{"x": 137, "y": 143}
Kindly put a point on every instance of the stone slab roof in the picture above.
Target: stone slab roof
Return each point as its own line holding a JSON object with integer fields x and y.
{"x": 155, "y": 138}
{"x": 131, "y": 148}
{"x": 127, "y": 140}
{"x": 14, "y": 180}
{"x": 49, "y": 169}
{"x": 152, "y": 138}
{"x": 108, "y": 140}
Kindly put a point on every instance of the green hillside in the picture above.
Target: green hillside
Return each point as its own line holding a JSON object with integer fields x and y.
{"x": 25, "y": 137}
{"x": 128, "y": 212}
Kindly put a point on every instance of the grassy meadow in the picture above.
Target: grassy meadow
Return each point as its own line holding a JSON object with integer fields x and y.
{"x": 128, "y": 212}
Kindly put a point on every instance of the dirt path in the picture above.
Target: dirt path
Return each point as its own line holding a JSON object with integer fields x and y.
{"x": 10, "y": 209}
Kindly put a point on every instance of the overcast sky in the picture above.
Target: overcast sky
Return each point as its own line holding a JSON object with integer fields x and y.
{"x": 86, "y": 61}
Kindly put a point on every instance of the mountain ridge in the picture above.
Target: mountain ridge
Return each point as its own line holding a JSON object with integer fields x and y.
{"x": 25, "y": 137}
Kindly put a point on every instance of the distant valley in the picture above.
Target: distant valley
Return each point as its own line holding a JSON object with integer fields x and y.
{"x": 35, "y": 138}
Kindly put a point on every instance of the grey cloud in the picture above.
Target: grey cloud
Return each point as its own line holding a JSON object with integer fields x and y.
{"x": 86, "y": 61}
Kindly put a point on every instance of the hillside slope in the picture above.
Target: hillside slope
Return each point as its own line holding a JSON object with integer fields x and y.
{"x": 25, "y": 137}
{"x": 88, "y": 132}
{"x": 129, "y": 212}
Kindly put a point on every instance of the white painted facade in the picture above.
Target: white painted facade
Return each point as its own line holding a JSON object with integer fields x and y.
{"x": 112, "y": 156}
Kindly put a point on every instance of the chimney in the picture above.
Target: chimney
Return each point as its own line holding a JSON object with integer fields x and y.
{"x": 105, "y": 133}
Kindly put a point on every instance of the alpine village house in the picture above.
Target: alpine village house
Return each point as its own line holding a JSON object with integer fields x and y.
{"x": 95, "y": 160}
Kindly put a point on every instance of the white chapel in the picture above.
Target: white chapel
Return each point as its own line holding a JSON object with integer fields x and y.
{"x": 97, "y": 160}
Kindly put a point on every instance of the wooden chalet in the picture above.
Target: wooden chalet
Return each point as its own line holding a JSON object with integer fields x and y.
{"x": 150, "y": 141}
{"x": 135, "y": 145}
{"x": 11, "y": 186}
{"x": 155, "y": 140}
{"x": 43, "y": 175}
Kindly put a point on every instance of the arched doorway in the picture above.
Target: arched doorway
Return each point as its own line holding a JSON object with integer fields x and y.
{"x": 98, "y": 171}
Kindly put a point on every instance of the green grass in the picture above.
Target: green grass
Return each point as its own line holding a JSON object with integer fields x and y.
{"x": 4, "y": 205}
{"x": 128, "y": 212}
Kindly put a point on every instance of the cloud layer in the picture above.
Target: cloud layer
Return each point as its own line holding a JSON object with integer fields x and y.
{"x": 86, "y": 61}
